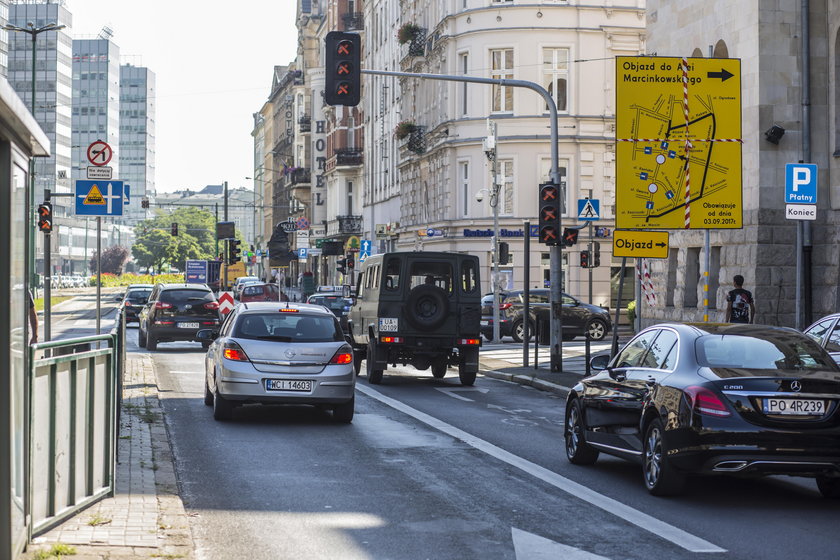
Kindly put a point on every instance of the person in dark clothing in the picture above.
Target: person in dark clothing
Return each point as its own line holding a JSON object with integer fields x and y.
{"x": 33, "y": 320}
{"x": 740, "y": 307}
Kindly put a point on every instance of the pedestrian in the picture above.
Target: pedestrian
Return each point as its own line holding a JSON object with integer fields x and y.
{"x": 740, "y": 307}
{"x": 33, "y": 319}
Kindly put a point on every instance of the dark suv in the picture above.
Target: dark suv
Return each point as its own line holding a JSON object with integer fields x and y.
{"x": 578, "y": 317}
{"x": 136, "y": 296}
{"x": 177, "y": 312}
{"x": 417, "y": 308}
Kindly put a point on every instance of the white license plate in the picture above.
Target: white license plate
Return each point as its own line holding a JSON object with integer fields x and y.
{"x": 187, "y": 325}
{"x": 794, "y": 407}
{"x": 485, "y": 323}
{"x": 288, "y": 384}
{"x": 389, "y": 324}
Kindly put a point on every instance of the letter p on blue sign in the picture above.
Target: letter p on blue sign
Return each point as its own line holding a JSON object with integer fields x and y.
{"x": 800, "y": 183}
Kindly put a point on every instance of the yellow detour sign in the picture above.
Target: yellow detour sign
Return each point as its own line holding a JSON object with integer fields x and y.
{"x": 678, "y": 143}
{"x": 640, "y": 244}
{"x": 94, "y": 196}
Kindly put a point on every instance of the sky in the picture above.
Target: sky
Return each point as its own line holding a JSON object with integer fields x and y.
{"x": 213, "y": 64}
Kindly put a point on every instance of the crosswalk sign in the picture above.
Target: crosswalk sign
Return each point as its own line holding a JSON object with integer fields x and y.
{"x": 589, "y": 209}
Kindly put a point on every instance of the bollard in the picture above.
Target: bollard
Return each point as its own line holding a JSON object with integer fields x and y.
{"x": 536, "y": 345}
{"x": 587, "y": 354}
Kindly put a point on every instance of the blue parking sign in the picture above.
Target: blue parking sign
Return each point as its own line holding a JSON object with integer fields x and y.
{"x": 800, "y": 183}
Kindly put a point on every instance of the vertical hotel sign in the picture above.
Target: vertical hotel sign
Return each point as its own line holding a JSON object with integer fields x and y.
{"x": 318, "y": 207}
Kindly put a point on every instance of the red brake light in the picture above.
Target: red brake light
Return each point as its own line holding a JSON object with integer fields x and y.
{"x": 391, "y": 339}
{"x": 288, "y": 310}
{"x": 127, "y": 303}
{"x": 235, "y": 352}
{"x": 706, "y": 402}
{"x": 342, "y": 358}
{"x": 163, "y": 305}
{"x": 469, "y": 341}
{"x": 211, "y": 305}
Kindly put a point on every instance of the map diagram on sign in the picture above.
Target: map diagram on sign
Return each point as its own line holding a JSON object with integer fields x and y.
{"x": 678, "y": 143}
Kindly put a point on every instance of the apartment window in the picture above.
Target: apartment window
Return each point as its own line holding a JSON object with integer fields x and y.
{"x": 351, "y": 132}
{"x": 506, "y": 188}
{"x": 464, "y": 176}
{"x": 464, "y": 67}
{"x": 349, "y": 198}
{"x": 501, "y": 67}
{"x": 556, "y": 76}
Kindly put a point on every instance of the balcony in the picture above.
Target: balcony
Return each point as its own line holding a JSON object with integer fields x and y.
{"x": 353, "y": 21}
{"x": 299, "y": 176}
{"x": 415, "y": 46}
{"x": 415, "y": 141}
{"x": 348, "y": 157}
{"x": 305, "y": 123}
{"x": 349, "y": 224}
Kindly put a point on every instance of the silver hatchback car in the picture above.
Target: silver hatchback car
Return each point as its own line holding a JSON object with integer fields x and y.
{"x": 279, "y": 353}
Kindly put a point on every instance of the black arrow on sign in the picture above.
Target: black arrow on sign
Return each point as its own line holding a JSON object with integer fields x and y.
{"x": 660, "y": 244}
{"x": 723, "y": 74}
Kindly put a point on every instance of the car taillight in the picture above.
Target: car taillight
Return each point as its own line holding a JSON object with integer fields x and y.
{"x": 127, "y": 303}
{"x": 163, "y": 305}
{"x": 343, "y": 356}
{"x": 391, "y": 339}
{"x": 469, "y": 341}
{"x": 233, "y": 351}
{"x": 211, "y": 305}
{"x": 706, "y": 402}
{"x": 506, "y": 306}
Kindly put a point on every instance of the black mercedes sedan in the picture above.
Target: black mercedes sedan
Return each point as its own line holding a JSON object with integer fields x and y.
{"x": 680, "y": 400}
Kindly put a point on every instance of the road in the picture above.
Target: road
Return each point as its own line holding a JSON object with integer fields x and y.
{"x": 430, "y": 469}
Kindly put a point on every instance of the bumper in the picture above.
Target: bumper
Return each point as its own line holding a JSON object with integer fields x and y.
{"x": 487, "y": 327}
{"x": 240, "y": 382}
{"x": 165, "y": 333}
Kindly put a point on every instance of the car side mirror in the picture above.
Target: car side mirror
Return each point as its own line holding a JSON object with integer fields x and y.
{"x": 206, "y": 335}
{"x": 600, "y": 362}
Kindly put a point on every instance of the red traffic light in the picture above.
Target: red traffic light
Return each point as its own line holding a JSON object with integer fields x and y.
{"x": 344, "y": 48}
{"x": 45, "y": 217}
{"x": 549, "y": 193}
{"x": 548, "y": 234}
{"x": 343, "y": 73}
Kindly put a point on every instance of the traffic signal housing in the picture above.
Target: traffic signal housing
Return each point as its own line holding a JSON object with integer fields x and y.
{"x": 570, "y": 236}
{"x": 351, "y": 262}
{"x": 173, "y": 229}
{"x": 144, "y": 203}
{"x": 45, "y": 217}
{"x": 343, "y": 68}
{"x": 234, "y": 251}
{"x": 549, "y": 214}
{"x": 504, "y": 252}
{"x": 596, "y": 254}
{"x": 341, "y": 265}
{"x": 584, "y": 259}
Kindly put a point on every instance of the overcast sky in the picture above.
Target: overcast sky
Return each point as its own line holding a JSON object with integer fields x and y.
{"x": 213, "y": 63}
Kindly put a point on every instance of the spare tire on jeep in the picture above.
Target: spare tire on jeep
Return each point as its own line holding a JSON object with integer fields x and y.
{"x": 427, "y": 307}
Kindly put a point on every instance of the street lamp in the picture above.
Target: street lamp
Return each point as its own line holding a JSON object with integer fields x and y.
{"x": 33, "y": 32}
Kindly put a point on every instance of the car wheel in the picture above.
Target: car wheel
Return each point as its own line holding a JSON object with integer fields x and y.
{"x": 439, "y": 368}
{"x": 596, "y": 329}
{"x": 829, "y": 487}
{"x": 660, "y": 477}
{"x": 222, "y": 408}
{"x": 466, "y": 372}
{"x": 343, "y": 413}
{"x": 208, "y": 396}
{"x": 374, "y": 375}
{"x": 357, "y": 361}
{"x": 151, "y": 342}
{"x": 577, "y": 450}
{"x": 141, "y": 338}
{"x": 517, "y": 331}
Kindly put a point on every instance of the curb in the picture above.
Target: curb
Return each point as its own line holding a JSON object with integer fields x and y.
{"x": 529, "y": 380}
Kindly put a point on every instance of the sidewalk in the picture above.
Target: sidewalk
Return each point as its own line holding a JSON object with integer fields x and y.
{"x": 145, "y": 518}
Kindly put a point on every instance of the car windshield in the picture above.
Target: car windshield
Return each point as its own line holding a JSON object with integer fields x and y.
{"x": 783, "y": 352}
{"x": 138, "y": 295}
{"x": 288, "y": 327}
{"x": 185, "y": 295}
{"x": 260, "y": 289}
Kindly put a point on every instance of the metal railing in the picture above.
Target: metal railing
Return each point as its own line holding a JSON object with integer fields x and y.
{"x": 74, "y": 392}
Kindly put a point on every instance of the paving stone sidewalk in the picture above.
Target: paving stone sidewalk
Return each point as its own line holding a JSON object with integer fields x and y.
{"x": 145, "y": 518}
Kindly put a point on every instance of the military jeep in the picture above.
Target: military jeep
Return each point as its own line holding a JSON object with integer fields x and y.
{"x": 417, "y": 308}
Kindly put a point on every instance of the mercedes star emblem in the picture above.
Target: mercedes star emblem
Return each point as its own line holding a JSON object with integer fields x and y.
{"x": 289, "y": 353}
{"x": 795, "y": 386}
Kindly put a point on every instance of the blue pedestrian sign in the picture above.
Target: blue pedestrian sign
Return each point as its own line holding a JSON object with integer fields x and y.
{"x": 364, "y": 250}
{"x": 800, "y": 183}
{"x": 99, "y": 198}
{"x": 589, "y": 209}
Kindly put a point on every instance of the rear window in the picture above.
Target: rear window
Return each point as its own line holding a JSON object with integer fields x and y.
{"x": 748, "y": 352}
{"x": 185, "y": 295}
{"x": 288, "y": 327}
{"x": 139, "y": 295}
{"x": 260, "y": 290}
{"x": 435, "y": 273}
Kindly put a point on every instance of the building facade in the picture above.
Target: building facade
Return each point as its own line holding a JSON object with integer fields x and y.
{"x": 137, "y": 136}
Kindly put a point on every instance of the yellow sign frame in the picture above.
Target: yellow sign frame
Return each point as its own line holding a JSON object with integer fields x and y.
{"x": 678, "y": 143}
{"x": 646, "y": 244}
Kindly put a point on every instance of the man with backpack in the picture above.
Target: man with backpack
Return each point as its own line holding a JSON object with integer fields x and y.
{"x": 740, "y": 307}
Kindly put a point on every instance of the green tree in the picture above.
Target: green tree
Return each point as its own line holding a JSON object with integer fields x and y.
{"x": 113, "y": 259}
{"x": 150, "y": 248}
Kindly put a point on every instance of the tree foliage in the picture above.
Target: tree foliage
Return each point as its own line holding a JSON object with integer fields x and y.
{"x": 113, "y": 260}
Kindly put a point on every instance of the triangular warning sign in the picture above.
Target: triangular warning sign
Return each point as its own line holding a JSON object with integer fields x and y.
{"x": 94, "y": 196}
{"x": 588, "y": 211}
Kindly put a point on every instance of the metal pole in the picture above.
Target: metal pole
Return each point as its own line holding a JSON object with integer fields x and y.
{"x": 707, "y": 265}
{"x": 33, "y": 226}
{"x": 217, "y": 237}
{"x": 614, "y": 348}
{"x": 98, "y": 274}
{"x": 591, "y": 263}
{"x": 805, "y": 226}
{"x": 494, "y": 201}
{"x": 227, "y": 244}
{"x": 47, "y": 278}
{"x": 526, "y": 261}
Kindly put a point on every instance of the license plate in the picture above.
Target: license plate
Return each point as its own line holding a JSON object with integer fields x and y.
{"x": 288, "y": 384}
{"x": 389, "y": 324}
{"x": 794, "y": 407}
{"x": 485, "y": 323}
{"x": 187, "y": 325}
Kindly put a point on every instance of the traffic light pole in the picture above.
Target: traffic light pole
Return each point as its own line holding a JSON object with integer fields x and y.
{"x": 556, "y": 251}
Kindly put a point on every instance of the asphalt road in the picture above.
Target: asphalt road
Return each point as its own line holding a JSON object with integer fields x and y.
{"x": 430, "y": 469}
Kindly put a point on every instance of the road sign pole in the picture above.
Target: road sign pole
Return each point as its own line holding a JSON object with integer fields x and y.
{"x": 591, "y": 263}
{"x": 98, "y": 274}
{"x": 47, "y": 278}
{"x": 526, "y": 261}
{"x": 707, "y": 265}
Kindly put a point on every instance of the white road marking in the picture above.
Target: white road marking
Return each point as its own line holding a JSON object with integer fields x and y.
{"x": 642, "y": 520}
{"x": 534, "y": 547}
{"x": 450, "y": 391}
{"x": 184, "y": 372}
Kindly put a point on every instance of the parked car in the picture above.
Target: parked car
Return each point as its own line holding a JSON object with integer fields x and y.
{"x": 733, "y": 399}
{"x": 261, "y": 292}
{"x": 135, "y": 297}
{"x": 336, "y": 303}
{"x": 177, "y": 312}
{"x": 579, "y": 318}
{"x": 826, "y": 332}
{"x": 290, "y": 354}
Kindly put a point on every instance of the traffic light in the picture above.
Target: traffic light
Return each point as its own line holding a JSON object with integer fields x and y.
{"x": 584, "y": 259}
{"x": 234, "y": 251}
{"x": 45, "y": 217}
{"x": 342, "y": 265}
{"x": 549, "y": 210}
{"x": 570, "y": 236}
{"x": 504, "y": 252}
{"x": 343, "y": 68}
{"x": 596, "y": 254}
{"x": 351, "y": 262}
{"x": 173, "y": 229}
{"x": 144, "y": 203}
